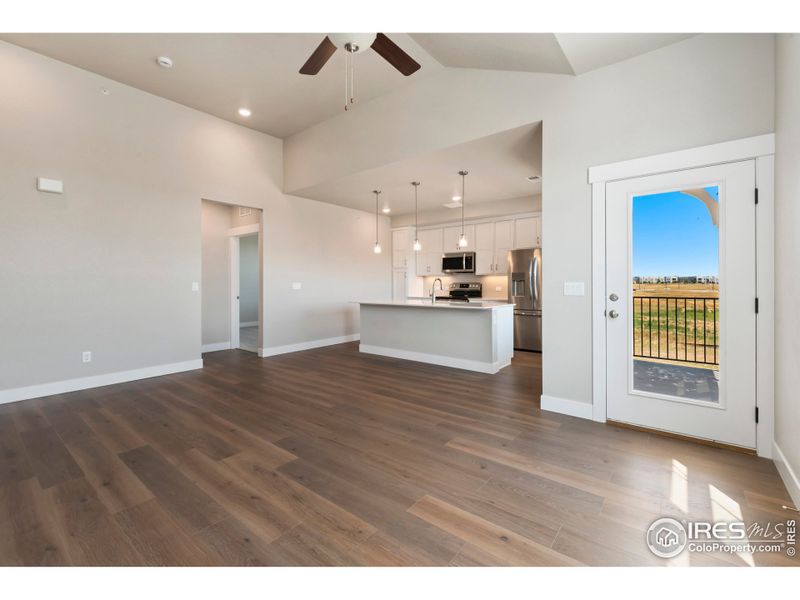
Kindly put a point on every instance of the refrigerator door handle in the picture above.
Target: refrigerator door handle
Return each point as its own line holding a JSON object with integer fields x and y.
{"x": 530, "y": 279}
{"x": 535, "y": 280}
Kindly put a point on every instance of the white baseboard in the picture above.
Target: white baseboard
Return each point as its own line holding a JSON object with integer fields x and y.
{"x": 787, "y": 473}
{"x": 275, "y": 350}
{"x": 249, "y": 324}
{"x": 573, "y": 408}
{"x": 435, "y": 359}
{"x": 215, "y": 347}
{"x": 85, "y": 383}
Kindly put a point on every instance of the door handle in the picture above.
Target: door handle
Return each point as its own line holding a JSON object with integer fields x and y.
{"x": 612, "y": 314}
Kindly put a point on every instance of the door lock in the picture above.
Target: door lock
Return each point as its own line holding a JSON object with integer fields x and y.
{"x": 613, "y": 314}
{"x": 613, "y": 297}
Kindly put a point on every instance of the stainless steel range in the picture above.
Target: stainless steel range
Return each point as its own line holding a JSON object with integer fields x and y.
{"x": 465, "y": 291}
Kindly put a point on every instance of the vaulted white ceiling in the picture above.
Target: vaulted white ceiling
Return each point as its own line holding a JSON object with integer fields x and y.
{"x": 219, "y": 73}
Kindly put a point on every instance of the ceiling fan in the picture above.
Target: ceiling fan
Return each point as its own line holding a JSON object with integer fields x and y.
{"x": 353, "y": 43}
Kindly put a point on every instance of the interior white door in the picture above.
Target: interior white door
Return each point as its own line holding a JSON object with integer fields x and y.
{"x": 681, "y": 304}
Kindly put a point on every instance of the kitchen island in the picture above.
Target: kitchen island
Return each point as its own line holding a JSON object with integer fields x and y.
{"x": 476, "y": 336}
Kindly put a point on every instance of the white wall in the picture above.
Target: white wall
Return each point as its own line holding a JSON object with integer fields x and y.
{"x": 787, "y": 251}
{"x": 108, "y": 265}
{"x": 481, "y": 210}
{"x": 707, "y": 89}
{"x": 248, "y": 279}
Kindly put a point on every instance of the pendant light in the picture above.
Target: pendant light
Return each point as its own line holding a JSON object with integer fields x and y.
{"x": 417, "y": 245}
{"x": 377, "y": 248}
{"x": 462, "y": 241}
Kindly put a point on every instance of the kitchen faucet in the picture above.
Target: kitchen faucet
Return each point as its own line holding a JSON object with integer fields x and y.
{"x": 433, "y": 289}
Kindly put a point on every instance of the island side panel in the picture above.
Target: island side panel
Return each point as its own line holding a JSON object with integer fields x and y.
{"x": 458, "y": 338}
{"x": 503, "y": 335}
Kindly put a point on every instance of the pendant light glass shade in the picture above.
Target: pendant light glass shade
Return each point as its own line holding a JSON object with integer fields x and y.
{"x": 462, "y": 241}
{"x": 377, "y": 248}
{"x": 417, "y": 245}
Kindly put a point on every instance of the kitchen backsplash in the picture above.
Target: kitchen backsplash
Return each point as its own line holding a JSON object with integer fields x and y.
{"x": 490, "y": 283}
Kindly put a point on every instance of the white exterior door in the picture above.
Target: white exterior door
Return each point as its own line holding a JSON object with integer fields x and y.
{"x": 681, "y": 302}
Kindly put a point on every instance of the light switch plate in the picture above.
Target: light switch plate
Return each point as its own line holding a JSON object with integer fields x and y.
{"x": 574, "y": 288}
{"x": 54, "y": 186}
{"x": 296, "y": 285}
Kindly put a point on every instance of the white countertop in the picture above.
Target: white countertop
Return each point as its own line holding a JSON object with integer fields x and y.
{"x": 425, "y": 303}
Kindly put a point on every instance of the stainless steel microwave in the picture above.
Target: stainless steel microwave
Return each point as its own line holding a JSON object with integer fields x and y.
{"x": 458, "y": 262}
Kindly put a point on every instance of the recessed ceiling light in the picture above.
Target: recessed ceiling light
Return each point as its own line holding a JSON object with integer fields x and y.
{"x": 387, "y": 210}
{"x": 164, "y": 61}
{"x": 533, "y": 178}
{"x": 456, "y": 198}
{"x": 245, "y": 112}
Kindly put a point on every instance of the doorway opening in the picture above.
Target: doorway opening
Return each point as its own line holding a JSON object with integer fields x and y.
{"x": 232, "y": 277}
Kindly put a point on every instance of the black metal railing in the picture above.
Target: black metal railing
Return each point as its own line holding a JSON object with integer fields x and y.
{"x": 681, "y": 329}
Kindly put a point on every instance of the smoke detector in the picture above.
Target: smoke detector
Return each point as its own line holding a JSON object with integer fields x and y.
{"x": 164, "y": 62}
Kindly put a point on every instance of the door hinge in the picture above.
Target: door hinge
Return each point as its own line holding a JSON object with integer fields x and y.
{"x": 756, "y": 304}
{"x": 756, "y": 195}
{"x": 756, "y": 414}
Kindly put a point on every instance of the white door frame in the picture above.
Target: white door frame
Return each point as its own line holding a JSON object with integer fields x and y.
{"x": 235, "y": 234}
{"x": 762, "y": 150}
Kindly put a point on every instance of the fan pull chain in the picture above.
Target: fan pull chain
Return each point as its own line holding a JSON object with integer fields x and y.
{"x": 352, "y": 78}
{"x": 346, "y": 93}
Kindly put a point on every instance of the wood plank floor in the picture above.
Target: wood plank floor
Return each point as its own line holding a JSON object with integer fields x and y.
{"x": 330, "y": 457}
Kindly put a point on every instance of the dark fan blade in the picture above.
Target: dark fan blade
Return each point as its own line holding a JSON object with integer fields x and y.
{"x": 318, "y": 59}
{"x": 394, "y": 55}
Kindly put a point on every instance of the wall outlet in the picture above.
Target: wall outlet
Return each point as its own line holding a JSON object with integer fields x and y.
{"x": 195, "y": 286}
{"x": 87, "y": 356}
{"x": 498, "y": 288}
{"x": 296, "y": 285}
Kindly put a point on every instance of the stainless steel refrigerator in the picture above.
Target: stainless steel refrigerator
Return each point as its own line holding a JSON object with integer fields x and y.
{"x": 525, "y": 292}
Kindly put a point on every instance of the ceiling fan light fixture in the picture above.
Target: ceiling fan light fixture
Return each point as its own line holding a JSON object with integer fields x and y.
{"x": 353, "y": 42}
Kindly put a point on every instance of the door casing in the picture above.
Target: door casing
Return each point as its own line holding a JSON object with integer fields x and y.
{"x": 762, "y": 150}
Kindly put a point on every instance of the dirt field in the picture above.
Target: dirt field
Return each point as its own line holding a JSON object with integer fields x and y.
{"x": 677, "y": 290}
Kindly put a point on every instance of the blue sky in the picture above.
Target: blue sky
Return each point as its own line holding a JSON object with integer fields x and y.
{"x": 673, "y": 235}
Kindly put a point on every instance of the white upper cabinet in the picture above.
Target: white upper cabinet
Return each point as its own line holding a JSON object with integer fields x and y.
{"x": 490, "y": 241}
{"x": 484, "y": 249}
{"x": 429, "y": 259}
{"x": 503, "y": 242}
{"x": 453, "y": 234}
{"x": 528, "y": 232}
{"x": 402, "y": 251}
